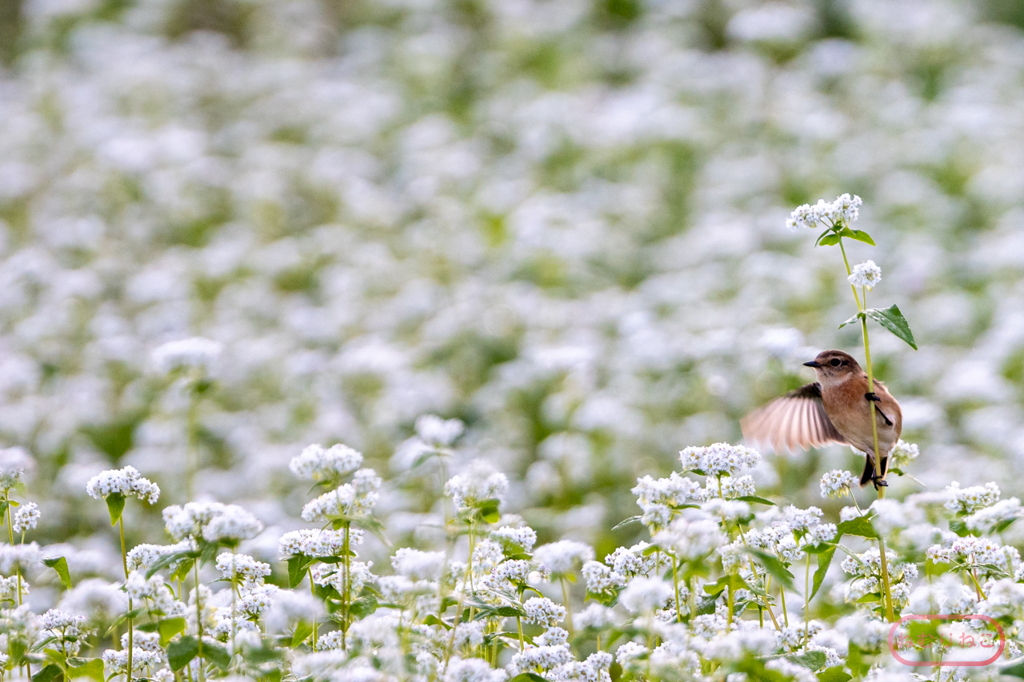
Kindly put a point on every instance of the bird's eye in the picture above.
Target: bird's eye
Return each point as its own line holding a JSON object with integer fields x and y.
{"x": 836, "y": 362}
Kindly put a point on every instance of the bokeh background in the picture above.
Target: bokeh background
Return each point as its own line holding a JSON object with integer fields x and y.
{"x": 560, "y": 221}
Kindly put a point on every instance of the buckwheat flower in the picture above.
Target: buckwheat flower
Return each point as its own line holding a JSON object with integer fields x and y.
{"x": 543, "y": 611}
{"x": 902, "y": 454}
{"x": 437, "y": 431}
{"x": 231, "y": 526}
{"x": 472, "y": 670}
{"x": 735, "y": 486}
{"x": 812, "y": 217}
{"x": 25, "y": 517}
{"x": 187, "y": 521}
{"x": 515, "y": 540}
{"x": 630, "y": 653}
{"x": 96, "y": 599}
{"x": 865, "y": 274}
{"x": 631, "y": 562}
{"x": 595, "y": 616}
{"x": 719, "y": 459}
{"x": 553, "y": 636}
{"x": 116, "y": 662}
{"x": 646, "y": 595}
{"x": 345, "y": 500}
{"x": 9, "y": 589}
{"x": 62, "y": 624}
{"x": 850, "y": 513}
{"x": 417, "y": 565}
{"x": 790, "y": 670}
{"x": 673, "y": 491}
{"x": 739, "y": 644}
{"x": 837, "y": 483}
{"x": 601, "y": 579}
{"x": 564, "y": 556}
{"x": 846, "y": 209}
{"x": 313, "y": 542}
{"x": 691, "y": 540}
{"x": 14, "y": 558}
{"x": 470, "y": 490}
{"x": 825, "y": 532}
{"x": 195, "y": 353}
{"x": 469, "y": 634}
{"x": 144, "y": 556}
{"x": 995, "y": 518}
{"x": 242, "y": 566}
{"x": 509, "y": 575}
{"x": 542, "y": 658}
{"x": 868, "y": 633}
{"x": 15, "y": 466}
{"x": 970, "y": 500}
{"x": 734, "y": 556}
{"x": 802, "y": 519}
{"x": 334, "y": 575}
{"x": 316, "y": 463}
{"x": 126, "y": 482}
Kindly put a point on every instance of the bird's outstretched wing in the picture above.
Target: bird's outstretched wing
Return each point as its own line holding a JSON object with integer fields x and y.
{"x": 797, "y": 419}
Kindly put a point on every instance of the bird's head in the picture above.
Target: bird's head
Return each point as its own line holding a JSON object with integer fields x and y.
{"x": 833, "y": 366}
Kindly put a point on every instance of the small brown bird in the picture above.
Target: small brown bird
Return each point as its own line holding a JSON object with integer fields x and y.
{"x": 834, "y": 409}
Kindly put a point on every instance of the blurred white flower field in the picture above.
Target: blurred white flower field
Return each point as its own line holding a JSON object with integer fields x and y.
{"x": 476, "y": 270}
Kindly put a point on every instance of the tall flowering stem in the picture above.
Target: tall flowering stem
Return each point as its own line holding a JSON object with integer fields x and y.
{"x": 131, "y": 624}
{"x": 861, "y": 308}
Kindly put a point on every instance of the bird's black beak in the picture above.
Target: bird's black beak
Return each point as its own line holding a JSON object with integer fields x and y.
{"x": 812, "y": 363}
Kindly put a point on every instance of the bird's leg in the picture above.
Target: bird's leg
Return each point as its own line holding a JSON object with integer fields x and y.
{"x": 879, "y": 481}
{"x": 872, "y": 397}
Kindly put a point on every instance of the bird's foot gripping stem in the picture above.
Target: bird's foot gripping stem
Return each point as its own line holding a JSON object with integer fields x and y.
{"x": 879, "y": 481}
{"x": 872, "y": 397}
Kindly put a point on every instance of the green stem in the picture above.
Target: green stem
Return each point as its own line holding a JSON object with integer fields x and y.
{"x": 462, "y": 597}
{"x": 785, "y": 613}
{"x": 753, "y": 571}
{"x": 191, "y": 451}
{"x": 878, "y": 464}
{"x": 861, "y": 307}
{"x": 347, "y": 586}
{"x": 675, "y": 583}
{"x": 731, "y": 603}
{"x": 807, "y": 599}
{"x": 131, "y": 628}
{"x": 568, "y": 607}
{"x": 199, "y": 621}
{"x": 848, "y": 273}
{"x": 316, "y": 620}
{"x": 522, "y": 643}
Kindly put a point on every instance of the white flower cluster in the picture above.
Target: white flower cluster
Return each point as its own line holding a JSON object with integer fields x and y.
{"x": 417, "y": 565}
{"x": 468, "y": 491}
{"x": 211, "y": 521}
{"x": 127, "y": 482}
{"x": 970, "y": 500}
{"x": 437, "y": 431}
{"x": 902, "y": 454}
{"x": 195, "y": 353}
{"x": 318, "y": 463}
{"x": 144, "y": 556}
{"x": 843, "y": 211}
{"x": 564, "y": 557}
{"x": 866, "y": 275}
{"x": 837, "y": 483}
{"x": 660, "y": 498}
{"x": 242, "y": 567}
{"x": 349, "y": 499}
{"x": 517, "y": 539}
{"x": 15, "y": 466}
{"x": 691, "y": 537}
{"x": 543, "y": 611}
{"x": 317, "y": 542}
{"x": 26, "y": 517}
{"x": 719, "y": 459}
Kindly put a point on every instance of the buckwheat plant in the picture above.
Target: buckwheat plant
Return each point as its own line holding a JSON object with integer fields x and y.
{"x": 188, "y": 363}
{"x": 837, "y": 219}
{"x": 115, "y": 486}
{"x": 327, "y": 556}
